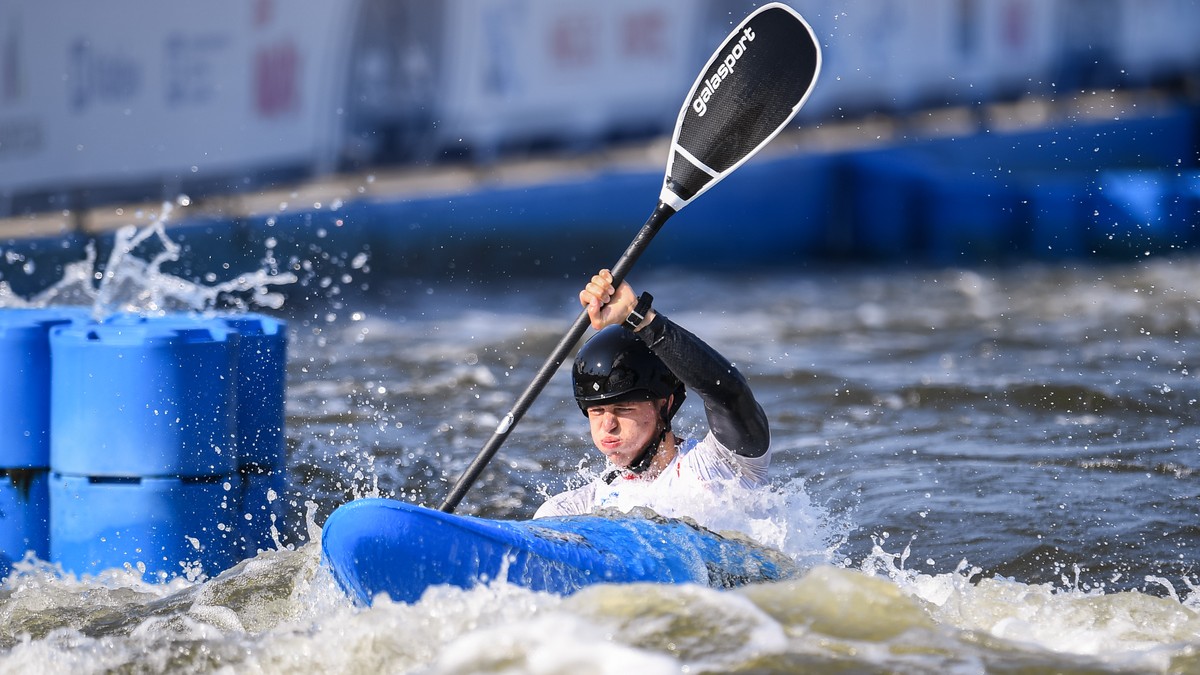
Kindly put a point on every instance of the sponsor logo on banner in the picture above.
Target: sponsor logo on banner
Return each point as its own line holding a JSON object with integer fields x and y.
{"x": 193, "y": 67}
{"x": 276, "y": 66}
{"x": 97, "y": 77}
{"x": 276, "y": 79}
{"x": 574, "y": 42}
{"x": 643, "y": 34}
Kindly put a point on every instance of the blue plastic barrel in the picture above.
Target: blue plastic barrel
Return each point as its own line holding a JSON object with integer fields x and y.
{"x": 163, "y": 527}
{"x": 24, "y": 516}
{"x": 25, "y": 395}
{"x": 262, "y": 457}
{"x": 261, "y": 383}
{"x": 144, "y": 398}
{"x": 263, "y": 512}
{"x": 25, "y": 430}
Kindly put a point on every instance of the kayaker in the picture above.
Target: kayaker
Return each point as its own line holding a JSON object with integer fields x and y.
{"x": 629, "y": 380}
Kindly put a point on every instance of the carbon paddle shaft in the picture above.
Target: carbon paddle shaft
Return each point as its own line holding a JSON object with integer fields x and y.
{"x": 753, "y": 85}
{"x": 653, "y": 224}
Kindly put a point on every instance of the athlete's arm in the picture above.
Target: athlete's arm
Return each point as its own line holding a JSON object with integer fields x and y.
{"x": 734, "y": 416}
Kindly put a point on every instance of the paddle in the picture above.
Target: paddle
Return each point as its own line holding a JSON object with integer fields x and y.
{"x": 752, "y": 86}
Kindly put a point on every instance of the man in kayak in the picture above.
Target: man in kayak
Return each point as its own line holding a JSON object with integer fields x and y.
{"x": 629, "y": 380}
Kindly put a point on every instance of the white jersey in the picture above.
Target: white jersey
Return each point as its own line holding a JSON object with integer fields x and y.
{"x": 699, "y": 469}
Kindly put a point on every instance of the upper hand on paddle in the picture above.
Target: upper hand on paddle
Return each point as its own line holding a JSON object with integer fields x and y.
{"x": 608, "y": 306}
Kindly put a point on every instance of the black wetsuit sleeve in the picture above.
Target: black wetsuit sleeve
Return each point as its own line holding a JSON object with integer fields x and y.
{"x": 734, "y": 416}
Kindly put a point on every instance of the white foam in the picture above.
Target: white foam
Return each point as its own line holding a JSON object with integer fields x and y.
{"x": 1127, "y": 629}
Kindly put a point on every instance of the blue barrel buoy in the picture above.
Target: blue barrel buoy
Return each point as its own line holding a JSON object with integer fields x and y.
{"x": 150, "y": 398}
{"x": 143, "y": 451}
{"x": 25, "y": 430}
{"x": 24, "y": 516}
{"x": 262, "y": 371}
{"x": 264, "y": 516}
{"x": 162, "y": 527}
{"x": 262, "y": 451}
{"x": 25, "y": 396}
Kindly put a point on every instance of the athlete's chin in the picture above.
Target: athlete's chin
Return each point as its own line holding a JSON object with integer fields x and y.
{"x": 618, "y": 458}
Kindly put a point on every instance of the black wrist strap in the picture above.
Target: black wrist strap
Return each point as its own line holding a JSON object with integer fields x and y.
{"x": 638, "y": 315}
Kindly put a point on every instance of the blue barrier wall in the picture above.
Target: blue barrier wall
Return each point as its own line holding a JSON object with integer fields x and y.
{"x": 988, "y": 197}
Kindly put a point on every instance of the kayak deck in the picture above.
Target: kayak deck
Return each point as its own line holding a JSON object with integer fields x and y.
{"x": 376, "y": 546}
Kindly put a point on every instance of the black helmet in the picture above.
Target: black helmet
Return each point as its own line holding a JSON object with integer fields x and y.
{"x": 615, "y": 365}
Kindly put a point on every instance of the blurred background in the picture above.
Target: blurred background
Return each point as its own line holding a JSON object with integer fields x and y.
{"x": 476, "y": 133}
{"x": 964, "y": 283}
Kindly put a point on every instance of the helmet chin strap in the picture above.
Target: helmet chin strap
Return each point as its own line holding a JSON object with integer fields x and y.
{"x": 646, "y": 457}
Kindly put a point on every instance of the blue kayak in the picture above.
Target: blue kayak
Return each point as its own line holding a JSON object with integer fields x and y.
{"x": 376, "y": 546}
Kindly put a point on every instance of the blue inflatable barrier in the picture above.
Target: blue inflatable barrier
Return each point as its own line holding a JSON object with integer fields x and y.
{"x": 1053, "y": 207}
{"x": 149, "y": 398}
{"x": 967, "y": 218}
{"x": 163, "y": 527}
{"x": 886, "y": 217}
{"x": 1145, "y": 209}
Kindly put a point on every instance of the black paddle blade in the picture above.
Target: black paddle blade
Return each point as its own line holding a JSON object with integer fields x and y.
{"x": 751, "y": 88}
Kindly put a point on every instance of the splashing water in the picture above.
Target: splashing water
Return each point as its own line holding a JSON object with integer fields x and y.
{"x": 133, "y": 280}
{"x": 389, "y": 403}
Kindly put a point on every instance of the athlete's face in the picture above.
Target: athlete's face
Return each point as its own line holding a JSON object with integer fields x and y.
{"x": 622, "y": 430}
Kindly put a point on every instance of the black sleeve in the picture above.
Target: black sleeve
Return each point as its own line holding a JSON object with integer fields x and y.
{"x": 734, "y": 417}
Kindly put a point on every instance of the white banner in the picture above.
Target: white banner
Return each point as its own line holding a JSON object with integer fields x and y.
{"x": 145, "y": 92}
{"x": 103, "y": 93}
{"x": 565, "y": 69}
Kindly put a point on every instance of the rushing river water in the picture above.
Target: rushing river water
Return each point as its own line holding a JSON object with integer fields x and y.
{"x": 990, "y": 470}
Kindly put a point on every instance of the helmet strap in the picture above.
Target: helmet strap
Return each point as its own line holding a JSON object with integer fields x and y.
{"x": 646, "y": 457}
